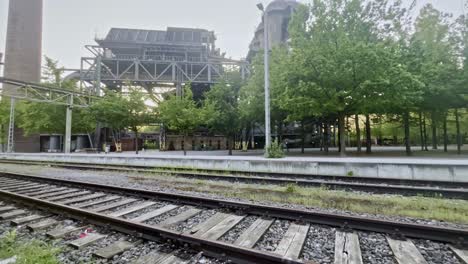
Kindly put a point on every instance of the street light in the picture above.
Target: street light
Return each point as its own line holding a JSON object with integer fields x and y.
{"x": 267, "y": 76}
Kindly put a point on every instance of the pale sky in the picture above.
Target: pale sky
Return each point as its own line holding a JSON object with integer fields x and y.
{"x": 71, "y": 24}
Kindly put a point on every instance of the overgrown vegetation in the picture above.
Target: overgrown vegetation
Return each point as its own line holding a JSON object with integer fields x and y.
{"x": 436, "y": 208}
{"x": 275, "y": 150}
{"x": 27, "y": 252}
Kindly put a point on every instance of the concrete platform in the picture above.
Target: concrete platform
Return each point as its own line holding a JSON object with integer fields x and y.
{"x": 455, "y": 170}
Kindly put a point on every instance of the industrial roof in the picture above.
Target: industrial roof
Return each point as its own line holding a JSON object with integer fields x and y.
{"x": 156, "y": 36}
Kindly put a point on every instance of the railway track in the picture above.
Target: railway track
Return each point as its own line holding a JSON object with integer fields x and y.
{"x": 445, "y": 189}
{"x": 225, "y": 230}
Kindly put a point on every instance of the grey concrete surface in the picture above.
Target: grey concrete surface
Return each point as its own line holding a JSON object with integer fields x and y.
{"x": 436, "y": 169}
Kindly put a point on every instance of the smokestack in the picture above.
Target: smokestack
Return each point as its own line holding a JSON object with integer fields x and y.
{"x": 23, "y": 54}
{"x": 23, "y": 51}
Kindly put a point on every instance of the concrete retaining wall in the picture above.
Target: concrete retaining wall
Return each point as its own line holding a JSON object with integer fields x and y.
{"x": 418, "y": 169}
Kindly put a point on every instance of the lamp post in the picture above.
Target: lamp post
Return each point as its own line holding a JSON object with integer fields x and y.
{"x": 267, "y": 76}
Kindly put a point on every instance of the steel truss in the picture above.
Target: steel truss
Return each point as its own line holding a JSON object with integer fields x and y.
{"x": 155, "y": 70}
{"x": 43, "y": 94}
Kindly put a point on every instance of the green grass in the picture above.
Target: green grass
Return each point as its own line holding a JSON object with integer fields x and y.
{"x": 28, "y": 252}
{"x": 433, "y": 208}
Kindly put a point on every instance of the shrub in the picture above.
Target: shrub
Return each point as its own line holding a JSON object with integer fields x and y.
{"x": 291, "y": 188}
{"x": 275, "y": 150}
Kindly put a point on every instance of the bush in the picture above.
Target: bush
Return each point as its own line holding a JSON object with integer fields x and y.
{"x": 291, "y": 188}
{"x": 275, "y": 150}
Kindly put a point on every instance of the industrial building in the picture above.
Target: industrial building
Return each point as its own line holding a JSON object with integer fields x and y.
{"x": 279, "y": 13}
{"x": 159, "y": 61}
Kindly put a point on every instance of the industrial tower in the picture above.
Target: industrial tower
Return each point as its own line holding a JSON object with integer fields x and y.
{"x": 23, "y": 55}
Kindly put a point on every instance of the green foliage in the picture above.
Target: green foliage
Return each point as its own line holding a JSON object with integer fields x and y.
{"x": 37, "y": 117}
{"x": 123, "y": 111}
{"x": 181, "y": 113}
{"x": 221, "y": 106}
{"x": 275, "y": 150}
{"x": 27, "y": 252}
{"x": 291, "y": 188}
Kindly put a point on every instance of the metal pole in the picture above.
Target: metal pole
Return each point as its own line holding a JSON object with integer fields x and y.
{"x": 267, "y": 81}
{"x": 68, "y": 126}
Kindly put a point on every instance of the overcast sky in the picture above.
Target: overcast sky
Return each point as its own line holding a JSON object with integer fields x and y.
{"x": 71, "y": 24}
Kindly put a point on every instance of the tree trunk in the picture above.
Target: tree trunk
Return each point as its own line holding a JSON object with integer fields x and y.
{"x": 421, "y": 131}
{"x": 425, "y": 133}
{"x": 136, "y": 141}
{"x": 334, "y": 136}
{"x": 459, "y": 139}
{"x": 303, "y": 137}
{"x": 231, "y": 143}
{"x": 279, "y": 131}
{"x": 321, "y": 141}
{"x": 434, "y": 130}
{"x": 407, "y": 133}
{"x": 358, "y": 133}
{"x": 339, "y": 136}
{"x": 326, "y": 136}
{"x": 341, "y": 132}
{"x": 184, "y": 137}
{"x": 252, "y": 144}
{"x": 347, "y": 132}
{"x": 368, "y": 135}
{"x": 445, "y": 133}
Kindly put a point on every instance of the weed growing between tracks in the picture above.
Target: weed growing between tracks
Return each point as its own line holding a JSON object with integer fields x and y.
{"x": 27, "y": 252}
{"x": 437, "y": 208}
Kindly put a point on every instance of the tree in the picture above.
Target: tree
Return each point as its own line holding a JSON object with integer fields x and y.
{"x": 436, "y": 62}
{"x": 337, "y": 62}
{"x": 124, "y": 111}
{"x": 252, "y": 94}
{"x": 222, "y": 108}
{"x": 181, "y": 114}
{"x": 4, "y": 118}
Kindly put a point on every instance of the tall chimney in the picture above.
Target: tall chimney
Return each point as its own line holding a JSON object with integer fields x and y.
{"x": 23, "y": 52}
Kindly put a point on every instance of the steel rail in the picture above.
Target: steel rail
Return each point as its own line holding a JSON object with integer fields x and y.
{"x": 216, "y": 249}
{"x": 333, "y": 182}
{"x": 444, "y": 234}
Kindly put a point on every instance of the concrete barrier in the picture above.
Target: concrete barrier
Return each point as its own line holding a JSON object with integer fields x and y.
{"x": 411, "y": 168}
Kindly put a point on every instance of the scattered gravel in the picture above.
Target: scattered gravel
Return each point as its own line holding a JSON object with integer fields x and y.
{"x": 436, "y": 253}
{"x": 320, "y": 244}
{"x": 103, "y": 204}
{"x": 234, "y": 233}
{"x": 159, "y": 219}
{"x": 144, "y": 211}
{"x": 113, "y": 210}
{"x": 124, "y": 179}
{"x": 273, "y": 236}
{"x": 192, "y": 222}
{"x": 375, "y": 249}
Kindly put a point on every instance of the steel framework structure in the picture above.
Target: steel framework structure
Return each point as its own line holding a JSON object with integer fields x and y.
{"x": 153, "y": 70}
{"x": 43, "y": 94}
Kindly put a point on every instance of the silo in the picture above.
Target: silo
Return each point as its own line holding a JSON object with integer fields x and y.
{"x": 23, "y": 53}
